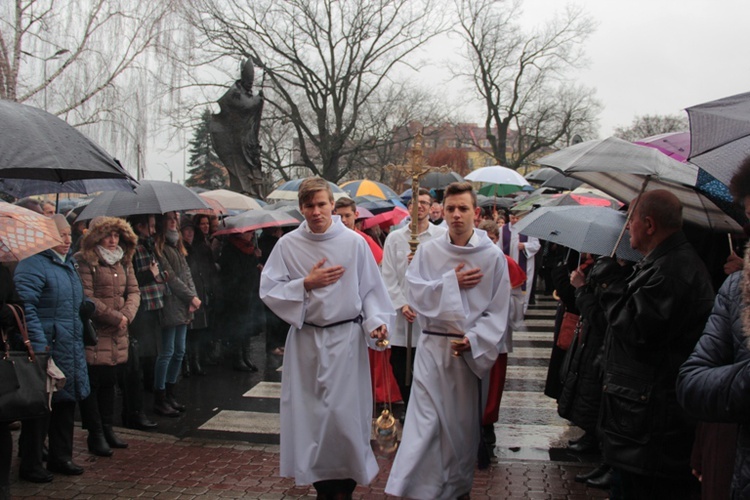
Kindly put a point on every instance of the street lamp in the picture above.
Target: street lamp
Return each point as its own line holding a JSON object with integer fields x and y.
{"x": 56, "y": 55}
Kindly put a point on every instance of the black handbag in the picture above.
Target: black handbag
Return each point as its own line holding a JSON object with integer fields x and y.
{"x": 90, "y": 337}
{"x": 23, "y": 377}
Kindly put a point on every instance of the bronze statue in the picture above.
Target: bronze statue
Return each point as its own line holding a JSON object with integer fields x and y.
{"x": 234, "y": 132}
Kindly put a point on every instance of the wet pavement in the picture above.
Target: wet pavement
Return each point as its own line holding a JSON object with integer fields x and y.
{"x": 226, "y": 444}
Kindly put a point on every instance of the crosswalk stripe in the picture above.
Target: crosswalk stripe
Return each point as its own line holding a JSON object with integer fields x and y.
{"x": 246, "y": 422}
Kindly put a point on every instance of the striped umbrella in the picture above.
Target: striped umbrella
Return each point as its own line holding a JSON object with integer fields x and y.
{"x": 366, "y": 187}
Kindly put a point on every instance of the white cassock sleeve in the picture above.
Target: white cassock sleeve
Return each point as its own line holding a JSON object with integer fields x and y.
{"x": 532, "y": 246}
{"x": 434, "y": 296}
{"x": 392, "y": 271}
{"x": 285, "y": 296}
{"x": 377, "y": 308}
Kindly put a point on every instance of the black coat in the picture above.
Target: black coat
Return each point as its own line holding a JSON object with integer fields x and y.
{"x": 714, "y": 383}
{"x": 655, "y": 319}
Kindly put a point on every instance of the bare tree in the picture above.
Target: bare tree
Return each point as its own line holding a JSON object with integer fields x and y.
{"x": 323, "y": 59}
{"x": 648, "y": 125}
{"x": 87, "y": 61}
{"x": 521, "y": 78}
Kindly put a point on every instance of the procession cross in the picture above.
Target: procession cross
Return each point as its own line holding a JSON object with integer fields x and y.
{"x": 416, "y": 168}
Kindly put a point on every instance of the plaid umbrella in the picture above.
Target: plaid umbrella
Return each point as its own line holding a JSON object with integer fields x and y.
{"x": 24, "y": 233}
{"x": 150, "y": 197}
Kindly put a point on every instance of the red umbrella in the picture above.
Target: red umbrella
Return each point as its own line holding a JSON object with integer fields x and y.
{"x": 386, "y": 219}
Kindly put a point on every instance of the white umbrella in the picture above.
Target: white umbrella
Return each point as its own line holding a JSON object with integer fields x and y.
{"x": 232, "y": 200}
{"x": 622, "y": 169}
{"x": 504, "y": 180}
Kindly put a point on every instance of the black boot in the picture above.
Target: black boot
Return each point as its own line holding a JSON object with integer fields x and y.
{"x": 214, "y": 353}
{"x": 97, "y": 444}
{"x": 171, "y": 399}
{"x": 161, "y": 406}
{"x": 139, "y": 420}
{"x": 186, "y": 366}
{"x": 593, "y": 474}
{"x": 112, "y": 440}
{"x": 239, "y": 363}
{"x": 246, "y": 352}
{"x": 603, "y": 482}
{"x": 197, "y": 368}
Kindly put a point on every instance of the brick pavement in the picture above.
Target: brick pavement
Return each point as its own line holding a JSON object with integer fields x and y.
{"x": 164, "y": 467}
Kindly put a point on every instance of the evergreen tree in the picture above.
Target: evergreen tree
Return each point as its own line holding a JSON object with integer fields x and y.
{"x": 205, "y": 168}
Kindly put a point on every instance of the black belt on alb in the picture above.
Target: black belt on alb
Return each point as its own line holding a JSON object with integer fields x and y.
{"x": 357, "y": 320}
{"x": 443, "y": 334}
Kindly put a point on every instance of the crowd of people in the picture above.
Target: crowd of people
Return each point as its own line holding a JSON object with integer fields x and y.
{"x": 652, "y": 349}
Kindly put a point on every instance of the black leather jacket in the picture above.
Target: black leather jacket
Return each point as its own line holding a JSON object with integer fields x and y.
{"x": 655, "y": 319}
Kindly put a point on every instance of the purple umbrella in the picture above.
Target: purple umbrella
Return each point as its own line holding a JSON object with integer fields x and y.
{"x": 673, "y": 144}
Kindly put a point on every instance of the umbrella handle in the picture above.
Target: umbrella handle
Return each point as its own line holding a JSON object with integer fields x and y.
{"x": 630, "y": 212}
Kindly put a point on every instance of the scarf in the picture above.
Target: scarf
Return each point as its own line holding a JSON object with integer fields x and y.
{"x": 172, "y": 236}
{"x": 110, "y": 257}
{"x": 244, "y": 246}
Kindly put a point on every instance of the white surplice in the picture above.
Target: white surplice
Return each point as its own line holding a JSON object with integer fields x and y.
{"x": 326, "y": 396}
{"x": 437, "y": 455}
{"x": 531, "y": 247}
{"x": 393, "y": 268}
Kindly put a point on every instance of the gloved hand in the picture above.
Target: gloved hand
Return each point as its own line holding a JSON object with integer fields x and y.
{"x": 604, "y": 271}
{"x": 87, "y": 309}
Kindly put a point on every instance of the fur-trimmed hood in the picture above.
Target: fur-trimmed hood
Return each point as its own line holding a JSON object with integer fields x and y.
{"x": 99, "y": 228}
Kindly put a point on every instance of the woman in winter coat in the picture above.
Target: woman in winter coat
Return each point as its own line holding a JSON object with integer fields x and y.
{"x": 179, "y": 304}
{"x": 105, "y": 267}
{"x": 206, "y": 279}
{"x": 52, "y": 294}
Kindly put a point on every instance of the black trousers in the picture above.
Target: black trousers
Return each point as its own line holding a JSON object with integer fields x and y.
{"x": 99, "y": 407}
{"x": 6, "y": 453}
{"x": 61, "y": 422}
{"x": 130, "y": 380}
{"x": 31, "y": 442}
{"x": 630, "y": 486}
{"x": 398, "y": 363}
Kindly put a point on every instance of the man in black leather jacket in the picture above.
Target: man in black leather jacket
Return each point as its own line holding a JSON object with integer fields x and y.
{"x": 655, "y": 319}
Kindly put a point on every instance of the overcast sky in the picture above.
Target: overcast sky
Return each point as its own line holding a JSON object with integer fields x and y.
{"x": 646, "y": 57}
{"x": 661, "y": 56}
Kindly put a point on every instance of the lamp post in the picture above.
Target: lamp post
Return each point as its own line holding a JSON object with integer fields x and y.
{"x": 56, "y": 55}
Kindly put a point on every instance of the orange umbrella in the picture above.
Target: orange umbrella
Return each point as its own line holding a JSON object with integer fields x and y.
{"x": 24, "y": 233}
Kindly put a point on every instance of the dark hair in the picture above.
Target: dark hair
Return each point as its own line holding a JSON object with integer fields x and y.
{"x": 739, "y": 186}
{"x": 31, "y": 204}
{"x": 423, "y": 191}
{"x": 345, "y": 203}
{"x": 310, "y": 186}
{"x": 455, "y": 188}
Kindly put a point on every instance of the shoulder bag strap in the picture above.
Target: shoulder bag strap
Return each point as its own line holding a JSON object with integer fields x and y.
{"x": 20, "y": 316}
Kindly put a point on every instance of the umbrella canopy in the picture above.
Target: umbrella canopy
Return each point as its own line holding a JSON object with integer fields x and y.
{"x": 24, "y": 233}
{"x": 232, "y": 200}
{"x": 256, "y": 219}
{"x": 288, "y": 206}
{"x": 20, "y": 188}
{"x": 367, "y": 187}
{"x": 386, "y": 219}
{"x": 673, "y": 144}
{"x": 561, "y": 181}
{"x": 438, "y": 180}
{"x": 36, "y": 144}
{"x": 493, "y": 201}
{"x": 376, "y": 205}
{"x": 288, "y": 191}
{"x": 150, "y": 197}
{"x": 587, "y": 199}
{"x": 619, "y": 168}
{"x": 720, "y": 135}
{"x": 586, "y": 229}
{"x": 541, "y": 174}
{"x": 501, "y": 180}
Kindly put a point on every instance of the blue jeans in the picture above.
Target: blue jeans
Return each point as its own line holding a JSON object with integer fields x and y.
{"x": 169, "y": 361}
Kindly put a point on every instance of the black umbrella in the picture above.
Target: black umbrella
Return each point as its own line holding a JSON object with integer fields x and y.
{"x": 439, "y": 180}
{"x": 541, "y": 174}
{"x": 36, "y": 144}
{"x": 150, "y": 197}
{"x": 20, "y": 188}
